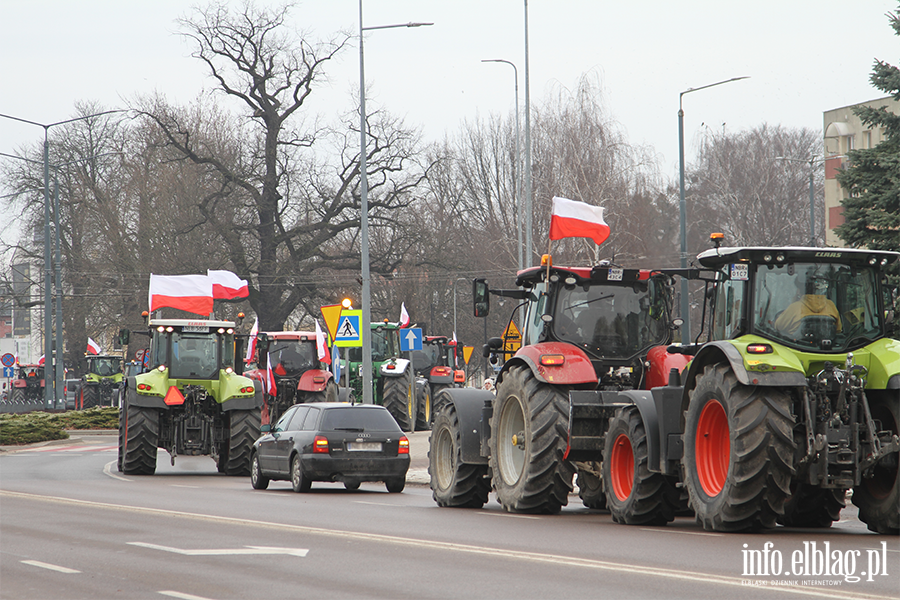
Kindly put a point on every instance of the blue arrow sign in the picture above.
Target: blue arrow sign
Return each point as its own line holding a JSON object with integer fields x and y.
{"x": 9, "y": 372}
{"x": 410, "y": 339}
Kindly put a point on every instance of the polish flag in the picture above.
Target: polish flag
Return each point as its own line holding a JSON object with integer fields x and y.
{"x": 251, "y": 343}
{"x": 93, "y": 347}
{"x": 569, "y": 218}
{"x": 191, "y": 293}
{"x": 227, "y": 286}
{"x": 270, "y": 378}
{"x": 404, "y": 316}
{"x": 41, "y": 360}
{"x": 322, "y": 345}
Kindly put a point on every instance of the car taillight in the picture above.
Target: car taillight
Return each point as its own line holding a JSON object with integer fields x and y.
{"x": 403, "y": 445}
{"x": 320, "y": 445}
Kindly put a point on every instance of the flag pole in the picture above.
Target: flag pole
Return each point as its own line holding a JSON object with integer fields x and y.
{"x": 549, "y": 255}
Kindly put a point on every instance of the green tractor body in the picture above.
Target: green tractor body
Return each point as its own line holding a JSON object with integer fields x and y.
{"x": 191, "y": 401}
{"x": 101, "y": 382}
{"x": 393, "y": 378}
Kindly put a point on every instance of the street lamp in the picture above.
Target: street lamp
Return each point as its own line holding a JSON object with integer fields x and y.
{"x": 685, "y": 301}
{"x": 458, "y": 279}
{"x": 48, "y": 327}
{"x": 527, "y": 173}
{"x": 812, "y": 161}
{"x": 365, "y": 326}
{"x": 517, "y": 185}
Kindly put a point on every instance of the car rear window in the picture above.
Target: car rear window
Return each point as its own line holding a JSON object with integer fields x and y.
{"x": 374, "y": 419}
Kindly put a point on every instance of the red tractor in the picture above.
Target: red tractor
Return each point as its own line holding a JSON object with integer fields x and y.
{"x": 437, "y": 368}
{"x": 28, "y": 386}
{"x": 299, "y": 375}
{"x": 600, "y": 330}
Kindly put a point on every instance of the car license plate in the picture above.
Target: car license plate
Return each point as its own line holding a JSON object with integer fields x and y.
{"x": 195, "y": 329}
{"x": 364, "y": 446}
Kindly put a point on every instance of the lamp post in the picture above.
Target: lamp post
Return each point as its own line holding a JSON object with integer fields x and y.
{"x": 813, "y": 162}
{"x": 518, "y": 191}
{"x": 527, "y": 173}
{"x": 48, "y": 327}
{"x": 365, "y": 332}
{"x": 457, "y": 280}
{"x": 685, "y": 301}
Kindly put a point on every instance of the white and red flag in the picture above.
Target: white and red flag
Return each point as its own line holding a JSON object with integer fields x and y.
{"x": 404, "y": 316}
{"x": 270, "y": 377}
{"x": 251, "y": 343}
{"x": 322, "y": 345}
{"x": 569, "y": 218}
{"x": 93, "y": 347}
{"x": 41, "y": 360}
{"x": 227, "y": 286}
{"x": 191, "y": 293}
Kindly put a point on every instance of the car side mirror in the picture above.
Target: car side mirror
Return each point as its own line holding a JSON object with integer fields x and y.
{"x": 265, "y": 428}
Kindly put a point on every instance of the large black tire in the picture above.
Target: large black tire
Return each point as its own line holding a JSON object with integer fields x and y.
{"x": 528, "y": 441}
{"x": 257, "y": 479}
{"x": 423, "y": 410}
{"x": 17, "y": 396}
{"x": 878, "y": 496}
{"x": 395, "y": 485}
{"x": 90, "y": 396}
{"x": 122, "y": 411}
{"x": 329, "y": 394}
{"x": 453, "y": 483}
{"x": 590, "y": 489}
{"x": 738, "y": 452}
{"x": 400, "y": 399}
{"x": 141, "y": 439}
{"x": 634, "y": 494}
{"x": 299, "y": 482}
{"x": 812, "y": 506}
{"x": 243, "y": 431}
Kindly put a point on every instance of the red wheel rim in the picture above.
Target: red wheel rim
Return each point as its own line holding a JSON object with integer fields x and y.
{"x": 621, "y": 467}
{"x": 713, "y": 448}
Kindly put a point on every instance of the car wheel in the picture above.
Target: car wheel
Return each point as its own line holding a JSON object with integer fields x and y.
{"x": 395, "y": 485}
{"x": 351, "y": 485}
{"x": 257, "y": 479}
{"x": 298, "y": 481}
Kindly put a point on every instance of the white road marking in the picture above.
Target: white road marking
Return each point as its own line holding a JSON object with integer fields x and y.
{"x": 193, "y": 487}
{"x": 107, "y": 470}
{"x": 664, "y": 530}
{"x": 507, "y": 515}
{"x": 636, "y": 569}
{"x": 379, "y": 503}
{"x": 43, "y": 565}
{"x": 182, "y": 595}
{"x": 301, "y": 552}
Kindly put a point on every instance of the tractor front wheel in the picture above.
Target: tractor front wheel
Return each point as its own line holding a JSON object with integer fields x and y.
{"x": 423, "y": 411}
{"x": 400, "y": 400}
{"x": 529, "y": 429}
{"x": 590, "y": 488}
{"x": 634, "y": 494}
{"x": 738, "y": 452}
{"x": 878, "y": 496}
{"x": 812, "y": 506}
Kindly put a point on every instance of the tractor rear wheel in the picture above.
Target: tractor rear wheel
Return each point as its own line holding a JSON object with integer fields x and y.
{"x": 423, "y": 410}
{"x": 878, "y": 496}
{"x": 17, "y": 396}
{"x": 400, "y": 400}
{"x": 590, "y": 488}
{"x": 738, "y": 452}
{"x": 244, "y": 430}
{"x": 329, "y": 394}
{"x": 141, "y": 439}
{"x": 529, "y": 429}
{"x": 90, "y": 396}
{"x": 812, "y": 506}
{"x": 453, "y": 483}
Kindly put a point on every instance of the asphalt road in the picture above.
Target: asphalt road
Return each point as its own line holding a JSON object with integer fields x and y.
{"x": 71, "y": 526}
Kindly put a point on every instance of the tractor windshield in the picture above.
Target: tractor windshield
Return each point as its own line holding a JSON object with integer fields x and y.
{"x": 384, "y": 344}
{"x": 821, "y": 306}
{"x": 612, "y": 321}
{"x": 105, "y": 366}
{"x": 431, "y": 355}
{"x": 293, "y": 357}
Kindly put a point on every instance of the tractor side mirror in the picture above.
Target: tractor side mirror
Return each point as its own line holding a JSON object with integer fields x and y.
{"x": 124, "y": 336}
{"x": 481, "y": 299}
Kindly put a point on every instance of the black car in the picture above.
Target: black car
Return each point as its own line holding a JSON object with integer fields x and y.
{"x": 331, "y": 441}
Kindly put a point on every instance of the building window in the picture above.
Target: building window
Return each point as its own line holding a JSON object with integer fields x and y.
{"x": 867, "y": 139}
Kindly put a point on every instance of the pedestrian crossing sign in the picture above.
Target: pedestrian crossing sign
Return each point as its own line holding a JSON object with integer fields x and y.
{"x": 349, "y": 332}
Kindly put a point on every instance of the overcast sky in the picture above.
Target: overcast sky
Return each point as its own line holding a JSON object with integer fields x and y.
{"x": 804, "y": 57}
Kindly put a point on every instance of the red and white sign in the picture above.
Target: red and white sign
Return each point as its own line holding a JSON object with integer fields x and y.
{"x": 93, "y": 347}
{"x": 569, "y": 218}
{"x": 227, "y": 286}
{"x": 191, "y": 293}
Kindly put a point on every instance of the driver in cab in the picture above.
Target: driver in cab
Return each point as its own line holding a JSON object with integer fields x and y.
{"x": 809, "y": 304}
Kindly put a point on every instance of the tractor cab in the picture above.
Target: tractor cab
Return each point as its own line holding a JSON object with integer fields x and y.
{"x": 807, "y": 299}
{"x": 192, "y": 350}
{"x": 103, "y": 366}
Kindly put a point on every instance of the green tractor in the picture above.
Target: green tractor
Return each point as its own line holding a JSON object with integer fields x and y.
{"x": 101, "y": 381}
{"x": 393, "y": 377}
{"x": 190, "y": 401}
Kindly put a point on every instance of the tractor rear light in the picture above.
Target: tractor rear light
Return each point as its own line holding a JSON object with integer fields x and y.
{"x": 442, "y": 370}
{"x": 161, "y": 368}
{"x": 320, "y": 445}
{"x": 552, "y": 360}
{"x": 759, "y": 349}
{"x": 390, "y": 366}
{"x": 319, "y": 379}
{"x": 229, "y": 370}
{"x": 247, "y": 389}
{"x": 403, "y": 445}
{"x": 143, "y": 386}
